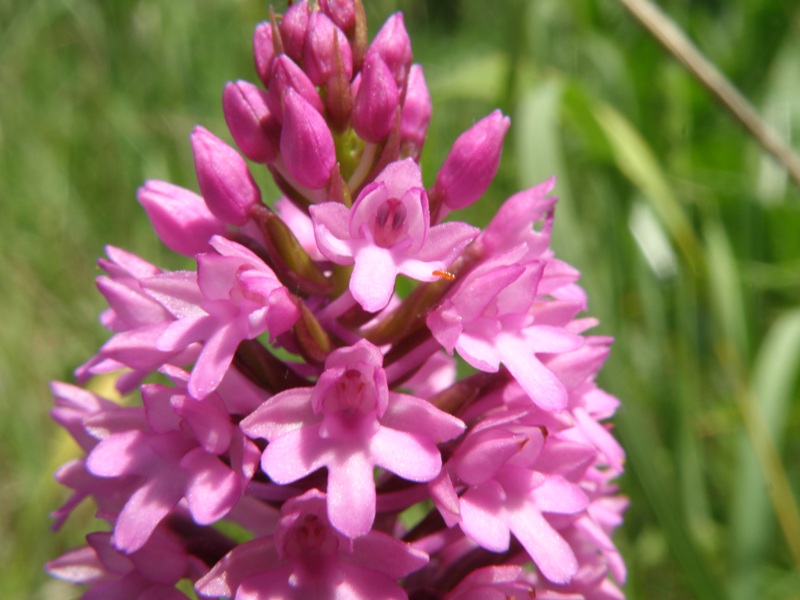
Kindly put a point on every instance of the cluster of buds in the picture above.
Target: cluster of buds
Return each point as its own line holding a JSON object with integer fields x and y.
{"x": 292, "y": 427}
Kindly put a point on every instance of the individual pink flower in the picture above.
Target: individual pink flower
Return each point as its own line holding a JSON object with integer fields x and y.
{"x": 350, "y": 423}
{"x": 491, "y": 319}
{"x": 512, "y": 489}
{"x": 308, "y": 558}
{"x": 175, "y": 446}
{"x": 150, "y": 572}
{"x": 233, "y": 297}
{"x": 386, "y": 232}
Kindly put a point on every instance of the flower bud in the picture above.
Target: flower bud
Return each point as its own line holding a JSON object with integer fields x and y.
{"x": 225, "y": 182}
{"x": 394, "y": 47}
{"x": 286, "y": 74}
{"x": 306, "y": 142}
{"x": 342, "y": 13}
{"x": 319, "y": 53}
{"x": 254, "y": 129}
{"x": 376, "y": 101}
{"x": 472, "y": 162}
{"x": 180, "y": 217}
{"x": 415, "y": 115}
{"x": 263, "y": 50}
{"x": 293, "y": 28}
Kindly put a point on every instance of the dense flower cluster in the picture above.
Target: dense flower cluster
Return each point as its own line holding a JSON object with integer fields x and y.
{"x": 301, "y": 431}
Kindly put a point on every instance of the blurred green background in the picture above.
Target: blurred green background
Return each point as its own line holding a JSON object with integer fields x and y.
{"x": 688, "y": 236}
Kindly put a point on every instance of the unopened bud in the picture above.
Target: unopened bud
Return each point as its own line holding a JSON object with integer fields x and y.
{"x": 376, "y": 101}
{"x": 180, "y": 217}
{"x": 342, "y": 13}
{"x": 319, "y": 52}
{"x": 293, "y": 28}
{"x": 472, "y": 162}
{"x": 286, "y": 74}
{"x": 306, "y": 142}
{"x": 415, "y": 115}
{"x": 263, "y": 50}
{"x": 225, "y": 182}
{"x": 394, "y": 47}
{"x": 253, "y": 127}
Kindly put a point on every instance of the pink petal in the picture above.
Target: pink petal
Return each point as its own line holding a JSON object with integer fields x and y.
{"x": 557, "y": 495}
{"x": 551, "y": 553}
{"x": 120, "y": 454}
{"x": 214, "y": 360}
{"x": 414, "y": 415}
{"x": 331, "y": 231}
{"x": 372, "y": 281}
{"x": 351, "y": 494}
{"x": 280, "y": 414}
{"x": 482, "y": 517}
{"x": 212, "y": 488}
{"x": 408, "y": 455}
{"x": 539, "y": 382}
{"x": 146, "y": 508}
{"x": 294, "y": 455}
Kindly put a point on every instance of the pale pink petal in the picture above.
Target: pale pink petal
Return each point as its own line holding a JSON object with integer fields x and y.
{"x": 372, "y": 281}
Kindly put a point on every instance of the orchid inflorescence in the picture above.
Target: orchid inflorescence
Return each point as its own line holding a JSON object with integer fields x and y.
{"x": 302, "y": 431}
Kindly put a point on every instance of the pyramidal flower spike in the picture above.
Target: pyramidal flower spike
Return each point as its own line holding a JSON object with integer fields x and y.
{"x": 281, "y": 387}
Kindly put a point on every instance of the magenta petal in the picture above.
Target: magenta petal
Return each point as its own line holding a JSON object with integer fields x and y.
{"x": 482, "y": 456}
{"x": 294, "y": 455}
{"x": 212, "y": 488}
{"x": 280, "y": 414}
{"x": 482, "y": 517}
{"x": 551, "y": 553}
{"x": 379, "y": 551}
{"x": 244, "y": 561}
{"x": 445, "y": 242}
{"x": 539, "y": 382}
{"x": 408, "y": 455}
{"x": 78, "y": 566}
{"x": 146, "y": 508}
{"x": 214, "y": 360}
{"x": 179, "y": 334}
{"x": 176, "y": 291}
{"x": 372, "y": 281}
{"x": 120, "y": 454}
{"x": 477, "y": 351}
{"x": 414, "y": 415}
{"x": 351, "y": 494}
{"x": 557, "y": 495}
